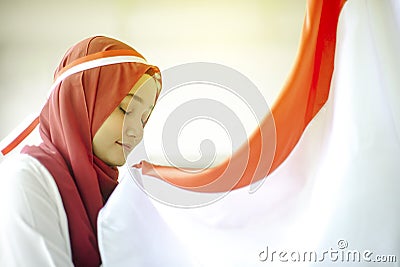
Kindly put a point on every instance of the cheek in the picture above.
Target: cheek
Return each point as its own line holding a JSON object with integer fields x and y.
{"x": 114, "y": 127}
{"x": 104, "y": 146}
{"x": 110, "y": 131}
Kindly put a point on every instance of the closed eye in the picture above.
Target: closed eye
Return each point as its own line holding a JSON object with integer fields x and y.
{"x": 124, "y": 111}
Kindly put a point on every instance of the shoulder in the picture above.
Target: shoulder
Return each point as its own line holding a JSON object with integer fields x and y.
{"x": 33, "y": 220}
{"x": 24, "y": 180}
{"x": 21, "y": 165}
{"x": 23, "y": 171}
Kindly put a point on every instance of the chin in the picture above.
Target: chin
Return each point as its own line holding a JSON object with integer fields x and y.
{"x": 116, "y": 162}
{"x": 119, "y": 163}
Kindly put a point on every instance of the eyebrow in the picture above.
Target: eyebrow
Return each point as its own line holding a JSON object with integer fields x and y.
{"x": 139, "y": 99}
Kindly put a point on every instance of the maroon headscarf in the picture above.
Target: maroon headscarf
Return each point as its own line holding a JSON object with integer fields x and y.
{"x": 75, "y": 110}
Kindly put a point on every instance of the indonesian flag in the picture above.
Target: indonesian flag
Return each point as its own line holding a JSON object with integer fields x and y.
{"x": 303, "y": 95}
{"x": 331, "y": 193}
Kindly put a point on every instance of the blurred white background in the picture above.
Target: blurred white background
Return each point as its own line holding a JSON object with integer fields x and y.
{"x": 258, "y": 38}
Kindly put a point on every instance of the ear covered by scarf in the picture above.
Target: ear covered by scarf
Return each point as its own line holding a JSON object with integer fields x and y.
{"x": 96, "y": 74}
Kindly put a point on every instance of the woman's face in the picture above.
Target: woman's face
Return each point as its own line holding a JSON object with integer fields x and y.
{"x": 113, "y": 137}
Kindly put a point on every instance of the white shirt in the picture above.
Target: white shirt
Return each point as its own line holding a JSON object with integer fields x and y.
{"x": 33, "y": 225}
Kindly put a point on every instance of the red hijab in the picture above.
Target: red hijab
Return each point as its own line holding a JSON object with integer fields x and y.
{"x": 75, "y": 110}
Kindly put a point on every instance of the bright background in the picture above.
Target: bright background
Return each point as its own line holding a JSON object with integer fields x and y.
{"x": 257, "y": 38}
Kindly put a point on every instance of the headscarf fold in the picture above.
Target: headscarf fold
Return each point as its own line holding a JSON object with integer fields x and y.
{"x": 75, "y": 110}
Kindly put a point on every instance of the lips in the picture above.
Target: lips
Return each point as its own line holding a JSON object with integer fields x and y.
{"x": 125, "y": 146}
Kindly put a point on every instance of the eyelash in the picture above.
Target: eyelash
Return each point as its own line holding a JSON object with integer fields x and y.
{"x": 125, "y": 112}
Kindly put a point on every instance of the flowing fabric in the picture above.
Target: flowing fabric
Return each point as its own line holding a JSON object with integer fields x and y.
{"x": 305, "y": 92}
{"x": 335, "y": 196}
{"x": 75, "y": 110}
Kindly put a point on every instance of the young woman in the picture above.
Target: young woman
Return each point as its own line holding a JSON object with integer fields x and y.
{"x": 51, "y": 193}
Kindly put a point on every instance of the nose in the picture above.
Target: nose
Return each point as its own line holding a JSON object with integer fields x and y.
{"x": 134, "y": 132}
